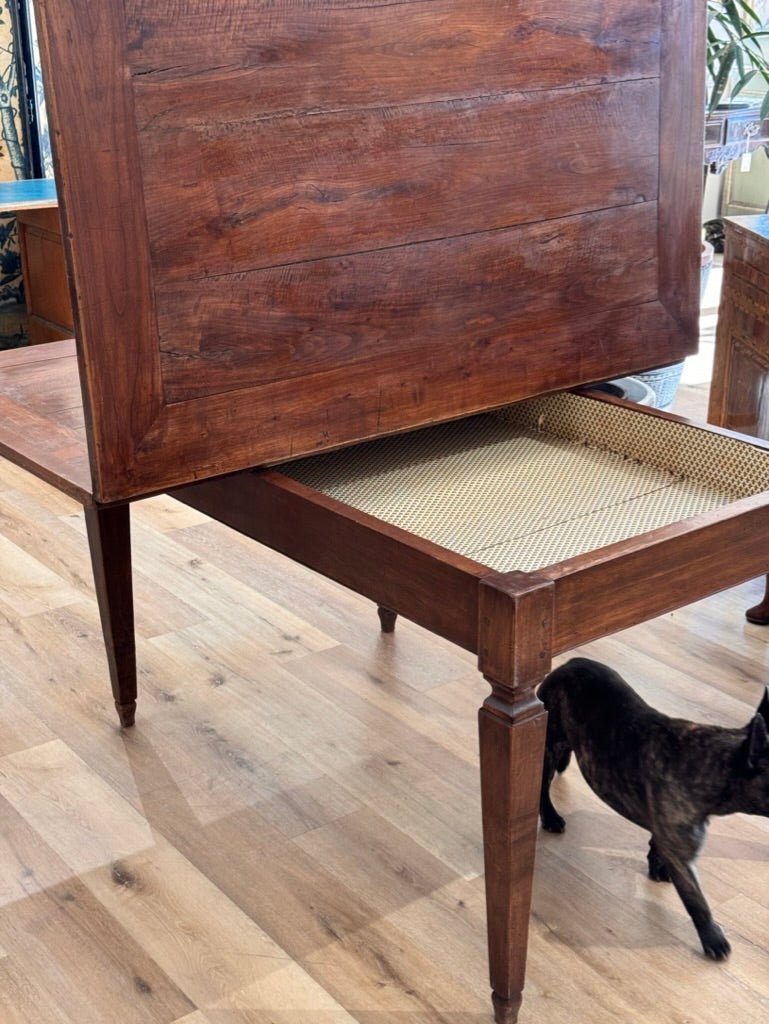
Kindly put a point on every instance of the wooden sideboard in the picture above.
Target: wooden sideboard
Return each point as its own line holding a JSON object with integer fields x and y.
{"x": 43, "y": 266}
{"x": 739, "y": 393}
{"x": 732, "y": 131}
{"x": 45, "y": 279}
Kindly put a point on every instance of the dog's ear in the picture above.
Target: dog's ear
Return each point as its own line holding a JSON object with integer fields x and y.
{"x": 757, "y": 742}
{"x": 763, "y": 707}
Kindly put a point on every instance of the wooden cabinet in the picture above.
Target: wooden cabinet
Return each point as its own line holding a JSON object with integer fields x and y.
{"x": 732, "y": 131}
{"x": 739, "y": 391}
{"x": 739, "y": 394}
{"x": 44, "y": 273}
{"x": 43, "y": 263}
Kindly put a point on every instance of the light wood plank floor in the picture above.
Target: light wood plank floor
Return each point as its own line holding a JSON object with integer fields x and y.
{"x": 291, "y": 833}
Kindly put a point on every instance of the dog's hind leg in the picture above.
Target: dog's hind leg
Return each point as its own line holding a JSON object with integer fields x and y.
{"x": 557, "y": 755}
{"x": 550, "y": 818}
{"x": 679, "y": 854}
{"x": 658, "y": 868}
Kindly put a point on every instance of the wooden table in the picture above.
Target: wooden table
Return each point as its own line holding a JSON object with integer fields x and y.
{"x": 300, "y": 228}
{"x": 36, "y": 206}
{"x": 739, "y": 393}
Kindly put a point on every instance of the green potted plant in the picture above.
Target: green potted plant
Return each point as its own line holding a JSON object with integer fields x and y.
{"x": 735, "y": 57}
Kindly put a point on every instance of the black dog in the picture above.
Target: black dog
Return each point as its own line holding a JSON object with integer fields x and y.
{"x": 665, "y": 774}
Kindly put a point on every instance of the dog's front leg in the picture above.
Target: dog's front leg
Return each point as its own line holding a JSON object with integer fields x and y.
{"x": 679, "y": 852}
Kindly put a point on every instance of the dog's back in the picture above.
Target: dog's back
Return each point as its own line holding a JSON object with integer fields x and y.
{"x": 600, "y": 693}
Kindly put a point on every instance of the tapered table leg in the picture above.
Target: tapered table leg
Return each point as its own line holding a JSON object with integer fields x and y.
{"x": 759, "y": 613}
{"x": 109, "y": 538}
{"x": 515, "y": 632}
{"x": 387, "y": 619}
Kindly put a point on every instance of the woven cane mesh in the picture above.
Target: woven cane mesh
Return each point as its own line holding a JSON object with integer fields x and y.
{"x": 724, "y": 463}
{"x": 539, "y": 482}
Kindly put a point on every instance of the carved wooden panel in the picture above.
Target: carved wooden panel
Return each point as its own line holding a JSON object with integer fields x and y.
{"x": 739, "y": 394}
{"x": 299, "y": 224}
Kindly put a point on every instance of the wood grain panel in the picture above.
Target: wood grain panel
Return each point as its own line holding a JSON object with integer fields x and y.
{"x": 681, "y": 151}
{"x": 261, "y": 425}
{"x": 458, "y": 317}
{"x": 605, "y": 591}
{"x": 88, "y": 95}
{"x": 286, "y": 189}
{"x": 226, "y": 333}
{"x": 262, "y": 57}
